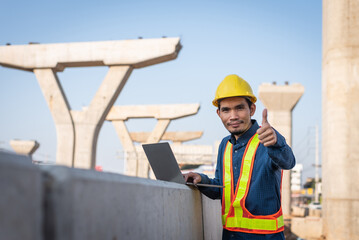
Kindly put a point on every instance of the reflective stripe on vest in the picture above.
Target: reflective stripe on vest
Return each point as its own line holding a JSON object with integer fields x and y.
{"x": 235, "y": 216}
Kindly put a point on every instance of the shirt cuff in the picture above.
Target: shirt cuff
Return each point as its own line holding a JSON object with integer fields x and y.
{"x": 204, "y": 178}
{"x": 280, "y": 141}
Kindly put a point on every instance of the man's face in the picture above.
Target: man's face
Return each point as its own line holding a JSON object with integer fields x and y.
{"x": 236, "y": 115}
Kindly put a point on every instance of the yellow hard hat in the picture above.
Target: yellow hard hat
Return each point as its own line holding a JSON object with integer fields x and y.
{"x": 233, "y": 86}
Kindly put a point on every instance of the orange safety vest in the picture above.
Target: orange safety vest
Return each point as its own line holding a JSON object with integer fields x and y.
{"x": 235, "y": 216}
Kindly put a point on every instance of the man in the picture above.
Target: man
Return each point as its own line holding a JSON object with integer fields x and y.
{"x": 249, "y": 165}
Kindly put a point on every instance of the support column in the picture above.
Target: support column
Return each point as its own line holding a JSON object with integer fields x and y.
{"x": 155, "y": 137}
{"x": 280, "y": 102}
{"x": 88, "y": 122}
{"x": 176, "y": 137}
{"x": 134, "y": 165}
{"x": 340, "y": 118}
{"x": 131, "y": 158}
{"x": 81, "y": 127}
{"x": 163, "y": 113}
{"x": 60, "y": 111}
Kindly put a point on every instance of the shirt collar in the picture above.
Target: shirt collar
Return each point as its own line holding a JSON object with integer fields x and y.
{"x": 243, "y": 140}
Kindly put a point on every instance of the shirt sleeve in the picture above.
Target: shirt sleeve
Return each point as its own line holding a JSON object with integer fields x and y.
{"x": 281, "y": 154}
{"x": 211, "y": 192}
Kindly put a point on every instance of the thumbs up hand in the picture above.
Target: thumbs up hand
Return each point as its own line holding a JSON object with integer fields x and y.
{"x": 266, "y": 134}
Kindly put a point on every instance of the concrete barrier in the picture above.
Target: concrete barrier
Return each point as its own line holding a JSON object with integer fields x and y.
{"x": 310, "y": 228}
{"x": 212, "y": 222}
{"x": 58, "y": 203}
{"x": 20, "y": 198}
{"x": 300, "y": 211}
{"x": 84, "y": 204}
{"x": 315, "y": 213}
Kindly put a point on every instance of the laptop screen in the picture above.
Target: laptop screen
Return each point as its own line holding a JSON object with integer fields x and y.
{"x": 163, "y": 162}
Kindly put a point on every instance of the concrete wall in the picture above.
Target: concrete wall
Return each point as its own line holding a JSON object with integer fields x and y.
{"x": 85, "y": 204}
{"x": 212, "y": 221}
{"x": 91, "y": 205}
{"x": 20, "y": 198}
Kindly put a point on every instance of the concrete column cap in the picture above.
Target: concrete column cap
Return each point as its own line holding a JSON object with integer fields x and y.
{"x": 24, "y": 147}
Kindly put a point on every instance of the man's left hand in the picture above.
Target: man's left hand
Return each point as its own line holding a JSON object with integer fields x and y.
{"x": 266, "y": 134}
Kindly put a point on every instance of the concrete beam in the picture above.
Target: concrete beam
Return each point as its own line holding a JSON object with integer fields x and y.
{"x": 135, "y": 53}
{"x": 77, "y": 131}
{"x": 175, "y": 137}
{"x": 168, "y": 111}
{"x": 280, "y": 102}
{"x": 340, "y": 118}
{"x": 24, "y": 147}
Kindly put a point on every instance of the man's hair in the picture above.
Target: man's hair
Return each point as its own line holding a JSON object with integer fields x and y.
{"x": 248, "y": 100}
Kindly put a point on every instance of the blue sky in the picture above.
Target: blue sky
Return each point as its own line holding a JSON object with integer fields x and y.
{"x": 260, "y": 40}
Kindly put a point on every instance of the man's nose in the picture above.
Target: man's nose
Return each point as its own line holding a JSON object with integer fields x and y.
{"x": 233, "y": 114}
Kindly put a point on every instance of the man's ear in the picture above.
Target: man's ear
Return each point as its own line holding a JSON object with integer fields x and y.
{"x": 218, "y": 112}
{"x": 253, "y": 109}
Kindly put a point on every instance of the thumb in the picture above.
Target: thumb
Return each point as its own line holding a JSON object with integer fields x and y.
{"x": 264, "y": 117}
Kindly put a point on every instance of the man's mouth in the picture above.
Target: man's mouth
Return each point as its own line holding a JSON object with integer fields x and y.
{"x": 235, "y": 124}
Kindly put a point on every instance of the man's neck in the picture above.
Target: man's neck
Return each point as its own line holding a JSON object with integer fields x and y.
{"x": 239, "y": 135}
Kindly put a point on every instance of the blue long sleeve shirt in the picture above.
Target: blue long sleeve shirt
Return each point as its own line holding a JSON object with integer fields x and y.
{"x": 264, "y": 197}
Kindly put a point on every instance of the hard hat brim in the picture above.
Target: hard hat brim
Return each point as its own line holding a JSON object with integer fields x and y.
{"x": 253, "y": 99}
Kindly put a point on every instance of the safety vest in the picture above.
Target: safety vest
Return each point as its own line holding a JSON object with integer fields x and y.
{"x": 235, "y": 216}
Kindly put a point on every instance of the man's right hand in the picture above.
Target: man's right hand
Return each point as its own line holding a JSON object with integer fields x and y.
{"x": 192, "y": 177}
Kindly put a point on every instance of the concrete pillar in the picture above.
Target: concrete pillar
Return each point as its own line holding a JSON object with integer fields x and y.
{"x": 24, "y": 147}
{"x": 340, "y": 118}
{"x": 77, "y": 131}
{"x": 280, "y": 101}
{"x": 163, "y": 113}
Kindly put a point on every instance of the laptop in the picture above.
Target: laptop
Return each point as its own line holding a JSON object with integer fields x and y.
{"x": 165, "y": 166}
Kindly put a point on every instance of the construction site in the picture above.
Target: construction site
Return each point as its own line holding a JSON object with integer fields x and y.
{"x": 75, "y": 197}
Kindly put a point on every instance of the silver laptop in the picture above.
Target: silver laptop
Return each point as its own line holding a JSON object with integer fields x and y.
{"x": 165, "y": 166}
